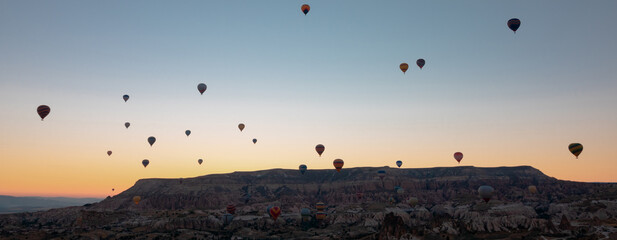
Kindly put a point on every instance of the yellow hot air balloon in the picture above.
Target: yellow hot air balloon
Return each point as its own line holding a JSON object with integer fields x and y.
{"x": 404, "y": 67}
{"x": 136, "y": 199}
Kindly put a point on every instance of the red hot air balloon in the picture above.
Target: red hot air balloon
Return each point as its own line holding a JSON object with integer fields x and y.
{"x": 202, "y": 88}
{"x": 458, "y": 156}
{"x": 513, "y": 24}
{"x": 338, "y": 164}
{"x": 275, "y": 212}
{"x": 231, "y": 209}
{"x": 108, "y": 153}
{"x": 305, "y": 8}
{"x": 420, "y": 63}
{"x": 320, "y": 148}
{"x": 43, "y": 111}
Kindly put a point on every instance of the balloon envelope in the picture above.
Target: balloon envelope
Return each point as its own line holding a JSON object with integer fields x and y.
{"x": 231, "y": 209}
{"x": 320, "y": 206}
{"x": 241, "y": 126}
{"x": 486, "y": 192}
{"x": 381, "y": 174}
{"x": 254, "y": 140}
{"x": 399, "y": 163}
{"x": 108, "y": 153}
{"x": 305, "y": 8}
{"x": 145, "y": 162}
{"x": 320, "y": 148}
{"x": 187, "y": 132}
{"x": 404, "y": 67}
{"x": 151, "y": 140}
{"x": 136, "y": 199}
{"x": 576, "y": 149}
{"x": 43, "y": 111}
{"x": 275, "y": 212}
{"x": 302, "y": 168}
{"x": 458, "y": 156}
{"x": 125, "y": 97}
{"x": 420, "y": 62}
{"x": 202, "y": 88}
{"x": 127, "y": 124}
{"x": 200, "y": 161}
{"x": 513, "y": 24}
{"x": 532, "y": 189}
{"x": 338, "y": 164}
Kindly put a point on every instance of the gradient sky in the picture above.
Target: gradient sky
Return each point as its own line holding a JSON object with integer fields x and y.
{"x": 329, "y": 77}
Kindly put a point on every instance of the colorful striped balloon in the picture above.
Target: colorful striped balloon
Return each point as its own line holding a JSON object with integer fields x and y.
{"x": 338, "y": 164}
{"x": 320, "y": 148}
{"x": 576, "y": 149}
{"x": 305, "y": 8}
{"x": 43, "y": 111}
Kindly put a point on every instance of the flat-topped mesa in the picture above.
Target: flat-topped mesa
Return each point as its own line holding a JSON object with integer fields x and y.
{"x": 291, "y": 188}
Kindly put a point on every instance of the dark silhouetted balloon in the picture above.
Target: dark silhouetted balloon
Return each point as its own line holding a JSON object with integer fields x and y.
{"x": 187, "y": 132}
{"x": 127, "y": 124}
{"x": 513, "y": 24}
{"x": 338, "y": 164}
{"x": 305, "y": 8}
{"x": 399, "y": 163}
{"x": 302, "y": 168}
{"x": 255, "y": 140}
{"x": 320, "y": 148}
{"x": 151, "y": 140}
{"x": 145, "y": 162}
{"x": 404, "y": 67}
{"x": 458, "y": 156}
{"x": 202, "y": 88}
{"x": 125, "y": 97}
{"x": 241, "y": 126}
{"x": 486, "y": 192}
{"x": 576, "y": 149}
{"x": 43, "y": 111}
{"x": 200, "y": 161}
{"x": 420, "y": 62}
{"x": 108, "y": 153}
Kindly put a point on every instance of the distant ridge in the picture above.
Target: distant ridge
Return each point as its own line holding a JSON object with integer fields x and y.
{"x": 10, "y": 204}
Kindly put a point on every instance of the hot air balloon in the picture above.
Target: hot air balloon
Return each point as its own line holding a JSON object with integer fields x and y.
{"x": 513, "y": 24}
{"x": 320, "y": 206}
{"x": 151, "y": 140}
{"x": 576, "y": 149}
{"x": 200, "y": 161}
{"x": 320, "y": 215}
{"x": 412, "y": 201}
{"x": 202, "y": 88}
{"x": 127, "y": 124}
{"x": 145, "y": 162}
{"x": 305, "y": 8}
{"x": 241, "y": 126}
{"x": 320, "y": 148}
{"x": 532, "y": 189}
{"x": 108, "y": 153}
{"x": 420, "y": 62}
{"x": 43, "y": 111}
{"x": 254, "y": 140}
{"x": 399, "y": 163}
{"x": 381, "y": 174}
{"x": 231, "y": 209}
{"x": 136, "y": 199}
{"x": 275, "y": 212}
{"x": 404, "y": 67}
{"x": 187, "y": 132}
{"x": 125, "y": 97}
{"x": 486, "y": 192}
{"x": 302, "y": 169}
{"x": 338, "y": 164}
{"x": 112, "y": 189}
{"x": 305, "y": 213}
{"x": 227, "y": 218}
{"x": 458, "y": 156}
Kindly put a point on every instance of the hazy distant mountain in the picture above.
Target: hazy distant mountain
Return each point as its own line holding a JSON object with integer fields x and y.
{"x": 9, "y": 204}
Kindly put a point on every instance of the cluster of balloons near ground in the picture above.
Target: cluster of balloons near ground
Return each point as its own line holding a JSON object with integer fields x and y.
{"x": 484, "y": 191}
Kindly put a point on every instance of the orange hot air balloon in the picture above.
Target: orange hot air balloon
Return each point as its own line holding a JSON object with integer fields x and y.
{"x": 320, "y": 206}
{"x": 338, "y": 164}
{"x": 404, "y": 67}
{"x": 275, "y": 212}
{"x": 305, "y": 8}
{"x": 136, "y": 199}
{"x": 43, "y": 111}
{"x": 108, "y": 153}
{"x": 458, "y": 156}
{"x": 241, "y": 126}
{"x": 320, "y": 148}
{"x": 420, "y": 63}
